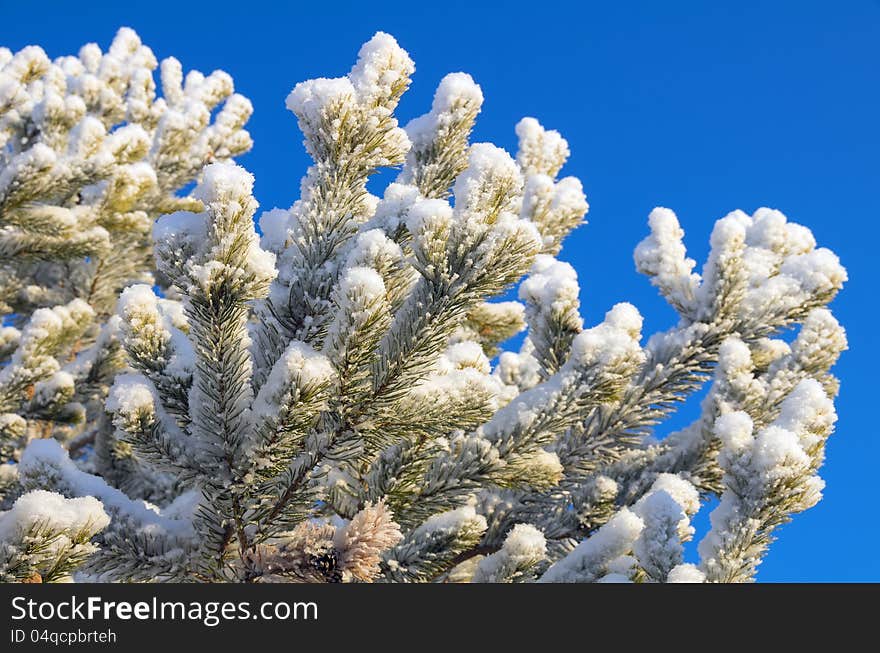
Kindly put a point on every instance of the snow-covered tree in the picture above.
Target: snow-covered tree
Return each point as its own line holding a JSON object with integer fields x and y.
{"x": 328, "y": 401}
{"x": 89, "y": 158}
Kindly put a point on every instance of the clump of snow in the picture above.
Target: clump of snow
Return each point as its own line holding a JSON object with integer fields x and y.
{"x": 768, "y": 230}
{"x": 799, "y": 239}
{"x": 455, "y": 88}
{"x": 605, "y": 345}
{"x": 734, "y": 430}
{"x": 360, "y": 297}
{"x": 392, "y": 210}
{"x": 526, "y": 542}
{"x": 489, "y": 169}
{"x": 456, "y": 94}
{"x": 520, "y": 370}
{"x": 734, "y": 357}
{"x": 130, "y": 394}
{"x": 54, "y": 512}
{"x": 363, "y": 284}
{"x": 736, "y": 369}
{"x": 300, "y": 368}
{"x": 452, "y": 521}
{"x": 659, "y": 546}
{"x": 551, "y": 283}
{"x": 138, "y": 305}
{"x": 682, "y": 491}
{"x": 808, "y": 412}
{"x": 466, "y": 354}
{"x": 542, "y": 151}
{"x": 821, "y": 335}
{"x": 626, "y": 317}
{"x": 589, "y": 559}
{"x": 686, "y": 573}
{"x": 663, "y": 257}
{"x": 309, "y": 99}
{"x": 461, "y": 374}
{"x": 223, "y": 182}
{"x": 372, "y": 248}
{"x": 231, "y": 249}
{"x": 605, "y": 487}
{"x": 569, "y": 196}
{"x": 523, "y": 547}
{"x": 776, "y": 448}
{"x": 381, "y": 67}
{"x": 429, "y": 222}
{"x": 817, "y": 272}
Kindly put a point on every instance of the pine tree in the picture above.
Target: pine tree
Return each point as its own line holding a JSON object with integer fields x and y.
{"x": 319, "y": 403}
{"x": 89, "y": 158}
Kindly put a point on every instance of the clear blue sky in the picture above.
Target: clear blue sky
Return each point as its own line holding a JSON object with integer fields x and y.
{"x": 703, "y": 107}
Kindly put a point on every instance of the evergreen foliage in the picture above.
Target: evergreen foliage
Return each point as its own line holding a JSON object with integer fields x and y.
{"x": 329, "y": 400}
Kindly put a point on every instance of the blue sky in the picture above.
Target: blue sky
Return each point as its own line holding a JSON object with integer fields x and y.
{"x": 700, "y": 107}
